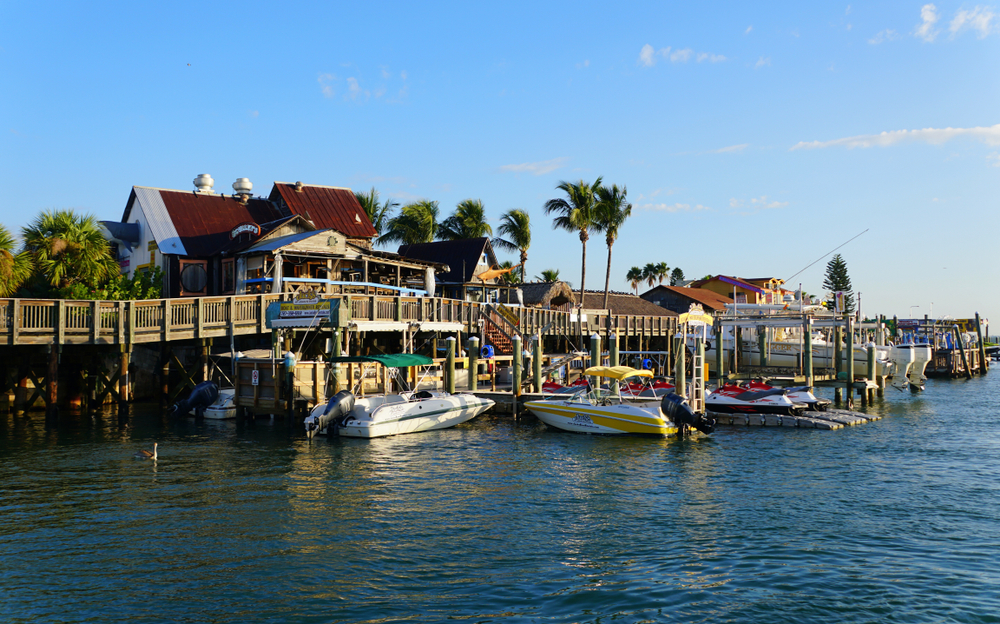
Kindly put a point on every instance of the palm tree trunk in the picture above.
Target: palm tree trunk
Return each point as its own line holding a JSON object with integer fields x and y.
{"x": 524, "y": 261}
{"x": 583, "y": 267}
{"x": 607, "y": 278}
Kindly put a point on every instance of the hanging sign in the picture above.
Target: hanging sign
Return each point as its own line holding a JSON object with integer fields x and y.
{"x": 253, "y": 228}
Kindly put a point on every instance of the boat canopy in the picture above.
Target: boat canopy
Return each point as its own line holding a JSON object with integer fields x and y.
{"x": 389, "y": 360}
{"x": 617, "y": 372}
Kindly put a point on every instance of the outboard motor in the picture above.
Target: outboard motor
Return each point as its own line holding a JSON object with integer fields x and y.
{"x": 680, "y": 412}
{"x": 203, "y": 395}
{"x": 904, "y": 357}
{"x": 337, "y": 408}
{"x": 922, "y": 355}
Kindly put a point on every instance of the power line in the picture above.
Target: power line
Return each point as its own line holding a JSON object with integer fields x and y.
{"x": 826, "y": 254}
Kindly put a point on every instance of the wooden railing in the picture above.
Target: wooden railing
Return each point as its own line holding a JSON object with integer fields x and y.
{"x": 47, "y": 321}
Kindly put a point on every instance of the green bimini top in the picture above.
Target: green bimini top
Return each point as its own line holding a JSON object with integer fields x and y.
{"x": 389, "y": 360}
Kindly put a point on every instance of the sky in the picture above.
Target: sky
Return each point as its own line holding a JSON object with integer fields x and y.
{"x": 752, "y": 140}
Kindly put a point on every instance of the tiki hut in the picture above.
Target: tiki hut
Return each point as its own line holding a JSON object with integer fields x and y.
{"x": 548, "y": 295}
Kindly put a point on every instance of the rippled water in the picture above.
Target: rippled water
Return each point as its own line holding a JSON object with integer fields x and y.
{"x": 497, "y": 520}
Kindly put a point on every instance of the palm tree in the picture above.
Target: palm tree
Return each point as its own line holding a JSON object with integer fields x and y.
{"x": 662, "y": 271}
{"x": 576, "y": 214}
{"x": 468, "y": 221}
{"x": 68, "y": 248}
{"x": 416, "y": 223}
{"x": 649, "y": 273}
{"x": 378, "y": 214}
{"x": 634, "y": 277}
{"x": 612, "y": 211}
{"x": 548, "y": 275}
{"x": 514, "y": 234}
{"x": 15, "y": 269}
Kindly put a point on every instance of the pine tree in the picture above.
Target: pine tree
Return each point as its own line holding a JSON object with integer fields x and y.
{"x": 837, "y": 280}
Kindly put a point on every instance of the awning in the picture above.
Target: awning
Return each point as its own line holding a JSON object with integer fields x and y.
{"x": 617, "y": 372}
{"x": 389, "y": 360}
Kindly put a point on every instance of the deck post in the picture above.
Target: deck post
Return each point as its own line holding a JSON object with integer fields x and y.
{"x": 961, "y": 349}
{"x": 536, "y": 362}
{"x": 123, "y": 381}
{"x": 473, "y": 364}
{"x": 680, "y": 368}
{"x": 52, "y": 382}
{"x": 849, "y": 359}
{"x": 515, "y": 368}
{"x": 613, "y": 348}
{"x": 807, "y": 355}
{"x": 762, "y": 345}
{"x": 595, "y": 349}
{"x": 719, "y": 374}
{"x": 838, "y": 336}
{"x": 872, "y": 373}
{"x": 450, "y": 373}
{"x": 983, "y": 362}
{"x": 335, "y": 352}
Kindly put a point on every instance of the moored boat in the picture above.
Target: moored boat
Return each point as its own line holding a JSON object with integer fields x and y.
{"x": 392, "y": 414}
{"x": 734, "y": 399}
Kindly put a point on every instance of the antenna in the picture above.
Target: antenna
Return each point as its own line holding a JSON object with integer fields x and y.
{"x": 827, "y": 254}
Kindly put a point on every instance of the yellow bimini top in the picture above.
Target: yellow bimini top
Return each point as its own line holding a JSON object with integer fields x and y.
{"x": 617, "y": 372}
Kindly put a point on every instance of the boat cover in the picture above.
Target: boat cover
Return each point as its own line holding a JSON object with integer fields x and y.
{"x": 389, "y": 360}
{"x": 617, "y": 372}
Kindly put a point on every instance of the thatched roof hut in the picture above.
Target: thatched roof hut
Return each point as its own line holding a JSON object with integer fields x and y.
{"x": 548, "y": 295}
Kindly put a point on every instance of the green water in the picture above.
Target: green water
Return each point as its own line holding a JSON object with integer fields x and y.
{"x": 497, "y": 520}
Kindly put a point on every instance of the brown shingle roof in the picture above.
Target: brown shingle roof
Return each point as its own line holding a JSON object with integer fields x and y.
{"x": 709, "y": 299}
{"x": 625, "y": 303}
{"x": 327, "y": 207}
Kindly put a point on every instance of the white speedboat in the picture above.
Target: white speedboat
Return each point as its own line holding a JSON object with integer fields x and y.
{"x": 392, "y": 414}
{"x": 606, "y": 411}
{"x": 223, "y": 407}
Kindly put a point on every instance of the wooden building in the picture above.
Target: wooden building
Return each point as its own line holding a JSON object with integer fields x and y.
{"x": 680, "y": 298}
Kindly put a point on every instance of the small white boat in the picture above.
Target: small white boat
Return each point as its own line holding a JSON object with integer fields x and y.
{"x": 606, "y": 411}
{"x": 393, "y": 414}
{"x": 223, "y": 407}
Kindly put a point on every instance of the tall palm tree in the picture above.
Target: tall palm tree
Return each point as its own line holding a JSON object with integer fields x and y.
{"x": 68, "y": 248}
{"x": 15, "y": 269}
{"x": 416, "y": 223}
{"x": 613, "y": 209}
{"x": 634, "y": 277}
{"x": 514, "y": 234}
{"x": 662, "y": 271}
{"x": 378, "y": 214}
{"x": 468, "y": 221}
{"x": 549, "y": 275}
{"x": 576, "y": 214}
{"x": 649, "y": 273}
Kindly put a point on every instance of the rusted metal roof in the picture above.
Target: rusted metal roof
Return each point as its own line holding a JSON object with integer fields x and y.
{"x": 327, "y": 207}
{"x": 204, "y": 222}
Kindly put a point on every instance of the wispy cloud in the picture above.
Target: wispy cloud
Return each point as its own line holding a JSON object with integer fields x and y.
{"x": 673, "y": 207}
{"x": 929, "y": 17}
{"x": 648, "y": 55}
{"x": 731, "y": 149}
{"x": 761, "y": 62}
{"x": 585, "y": 64}
{"x": 354, "y": 90}
{"x": 537, "y": 168}
{"x": 749, "y": 28}
{"x": 935, "y": 136}
{"x": 326, "y": 84}
{"x": 993, "y": 159}
{"x": 978, "y": 19}
{"x": 755, "y": 204}
{"x": 885, "y": 35}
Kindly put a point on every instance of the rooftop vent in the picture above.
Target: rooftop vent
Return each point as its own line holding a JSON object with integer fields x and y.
{"x": 243, "y": 188}
{"x": 298, "y": 187}
{"x": 203, "y": 183}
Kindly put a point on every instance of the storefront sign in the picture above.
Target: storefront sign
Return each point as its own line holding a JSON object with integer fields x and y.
{"x": 253, "y": 228}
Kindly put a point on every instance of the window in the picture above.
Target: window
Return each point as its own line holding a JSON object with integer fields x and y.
{"x": 194, "y": 277}
{"x": 228, "y": 277}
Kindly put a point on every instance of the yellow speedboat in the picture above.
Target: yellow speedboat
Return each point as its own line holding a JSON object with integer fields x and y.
{"x": 605, "y": 411}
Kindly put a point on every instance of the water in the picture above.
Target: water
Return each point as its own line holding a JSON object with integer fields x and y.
{"x": 893, "y": 521}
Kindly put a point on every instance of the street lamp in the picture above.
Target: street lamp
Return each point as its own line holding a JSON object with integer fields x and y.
{"x": 911, "y": 310}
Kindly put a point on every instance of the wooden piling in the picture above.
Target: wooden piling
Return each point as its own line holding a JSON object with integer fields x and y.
{"x": 838, "y": 336}
{"x": 762, "y": 345}
{"x": 473, "y": 347}
{"x": 983, "y": 360}
{"x": 515, "y": 368}
{"x": 961, "y": 349}
{"x": 849, "y": 360}
{"x": 536, "y": 362}
{"x": 613, "y": 348}
{"x": 335, "y": 352}
{"x": 450, "y": 363}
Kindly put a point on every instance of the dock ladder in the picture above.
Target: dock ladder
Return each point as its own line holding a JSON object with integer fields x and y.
{"x": 697, "y": 401}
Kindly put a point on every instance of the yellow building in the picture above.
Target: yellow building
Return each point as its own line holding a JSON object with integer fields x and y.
{"x": 757, "y": 290}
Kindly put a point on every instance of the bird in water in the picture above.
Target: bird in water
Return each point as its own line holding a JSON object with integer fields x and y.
{"x": 144, "y": 454}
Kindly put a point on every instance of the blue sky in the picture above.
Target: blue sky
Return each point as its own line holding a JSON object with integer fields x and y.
{"x": 752, "y": 140}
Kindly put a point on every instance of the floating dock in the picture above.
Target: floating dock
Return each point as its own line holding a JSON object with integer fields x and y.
{"x": 829, "y": 419}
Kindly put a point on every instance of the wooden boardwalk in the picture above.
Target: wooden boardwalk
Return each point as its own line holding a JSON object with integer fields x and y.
{"x": 64, "y": 322}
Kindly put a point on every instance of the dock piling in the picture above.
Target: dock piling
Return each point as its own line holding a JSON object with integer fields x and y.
{"x": 473, "y": 345}
{"x": 450, "y": 359}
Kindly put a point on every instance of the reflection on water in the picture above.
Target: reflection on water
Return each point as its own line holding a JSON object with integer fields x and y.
{"x": 504, "y": 520}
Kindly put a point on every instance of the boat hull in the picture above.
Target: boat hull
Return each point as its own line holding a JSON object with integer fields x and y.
{"x": 614, "y": 420}
{"x": 412, "y": 417}
{"x": 223, "y": 408}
